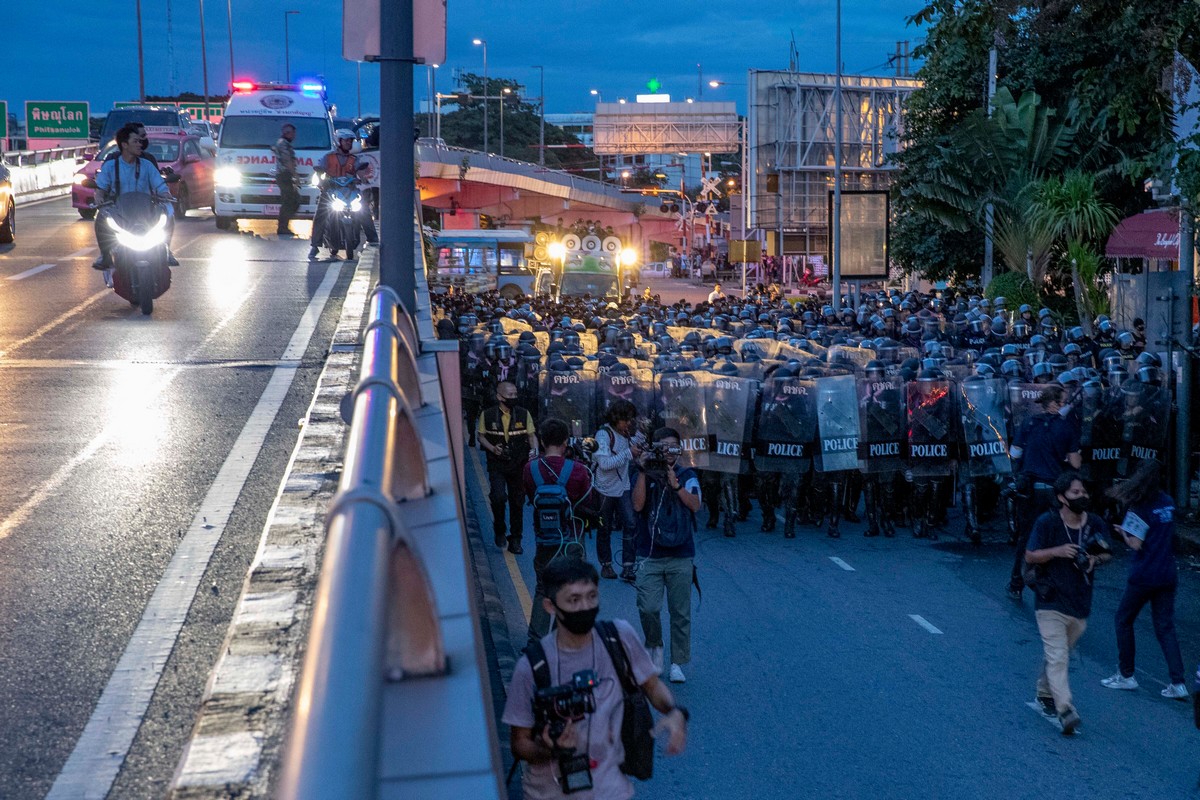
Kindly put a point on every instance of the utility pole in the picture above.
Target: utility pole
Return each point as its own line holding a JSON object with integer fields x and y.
{"x": 1183, "y": 398}
{"x": 699, "y": 83}
{"x": 229, "y": 23}
{"x": 204, "y": 60}
{"x": 989, "y": 213}
{"x": 397, "y": 207}
{"x": 141, "y": 60}
{"x": 542, "y": 114}
{"x": 835, "y": 269}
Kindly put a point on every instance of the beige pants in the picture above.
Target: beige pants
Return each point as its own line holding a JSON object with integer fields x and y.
{"x": 1059, "y": 633}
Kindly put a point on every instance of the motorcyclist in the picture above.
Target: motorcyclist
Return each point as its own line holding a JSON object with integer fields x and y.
{"x": 340, "y": 163}
{"x": 131, "y": 172}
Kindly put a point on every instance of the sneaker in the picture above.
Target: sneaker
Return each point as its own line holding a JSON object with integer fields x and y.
{"x": 607, "y": 571}
{"x": 1176, "y": 691}
{"x": 656, "y": 658}
{"x": 677, "y": 674}
{"x": 1014, "y": 592}
{"x": 1119, "y": 681}
{"x": 1049, "y": 710}
{"x": 514, "y": 546}
{"x": 284, "y": 234}
{"x": 628, "y": 575}
{"x": 312, "y": 253}
{"x": 500, "y": 539}
{"x": 1069, "y": 720}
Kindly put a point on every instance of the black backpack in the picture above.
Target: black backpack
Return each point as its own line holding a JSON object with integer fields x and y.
{"x": 637, "y": 723}
{"x": 551, "y": 505}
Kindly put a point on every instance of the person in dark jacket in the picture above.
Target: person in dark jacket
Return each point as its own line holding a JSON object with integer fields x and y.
{"x": 506, "y": 433}
{"x": 1149, "y": 530}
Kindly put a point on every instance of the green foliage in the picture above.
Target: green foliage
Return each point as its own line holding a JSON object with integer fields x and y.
{"x": 1015, "y": 288}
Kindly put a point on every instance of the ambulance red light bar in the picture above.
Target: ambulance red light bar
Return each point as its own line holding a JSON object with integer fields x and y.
{"x": 244, "y": 86}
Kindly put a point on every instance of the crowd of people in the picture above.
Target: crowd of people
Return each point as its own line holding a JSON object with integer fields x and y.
{"x": 897, "y": 411}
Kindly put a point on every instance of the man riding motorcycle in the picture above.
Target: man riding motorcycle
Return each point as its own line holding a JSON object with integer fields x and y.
{"x": 340, "y": 163}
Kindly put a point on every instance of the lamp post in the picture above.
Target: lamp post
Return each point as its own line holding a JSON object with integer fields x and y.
{"x": 287, "y": 58}
{"x": 229, "y": 23}
{"x": 835, "y": 269}
{"x": 486, "y": 86}
{"x": 503, "y": 99}
{"x": 204, "y": 61}
{"x": 542, "y": 114}
{"x": 141, "y": 64}
{"x": 596, "y": 93}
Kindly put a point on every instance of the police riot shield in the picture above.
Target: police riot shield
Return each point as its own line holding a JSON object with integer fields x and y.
{"x": 681, "y": 399}
{"x": 858, "y": 357}
{"x": 624, "y": 383}
{"x": 837, "y": 423}
{"x": 527, "y": 377}
{"x": 1145, "y": 422}
{"x": 984, "y": 440}
{"x": 930, "y": 427}
{"x": 1022, "y": 403}
{"x": 882, "y": 425}
{"x": 1100, "y": 429}
{"x": 786, "y": 426}
{"x": 729, "y": 414}
{"x": 570, "y": 395}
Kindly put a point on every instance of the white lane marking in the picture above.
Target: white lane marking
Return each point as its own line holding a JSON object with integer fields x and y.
{"x": 54, "y": 323}
{"x": 87, "y": 251}
{"x": 104, "y": 744}
{"x": 841, "y": 563}
{"x": 924, "y": 623}
{"x": 20, "y": 276}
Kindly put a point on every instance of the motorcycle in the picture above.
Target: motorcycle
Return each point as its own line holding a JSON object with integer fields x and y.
{"x": 343, "y": 205}
{"x": 141, "y": 226}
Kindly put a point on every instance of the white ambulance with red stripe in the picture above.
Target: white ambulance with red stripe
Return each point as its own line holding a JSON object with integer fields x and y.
{"x": 244, "y": 180}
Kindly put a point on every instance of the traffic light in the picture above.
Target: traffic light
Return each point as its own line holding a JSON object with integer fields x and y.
{"x": 463, "y": 99}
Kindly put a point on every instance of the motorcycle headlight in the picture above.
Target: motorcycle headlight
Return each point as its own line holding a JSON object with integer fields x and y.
{"x": 356, "y": 205}
{"x": 228, "y": 176}
{"x": 338, "y": 204}
{"x": 315, "y": 180}
{"x": 152, "y": 238}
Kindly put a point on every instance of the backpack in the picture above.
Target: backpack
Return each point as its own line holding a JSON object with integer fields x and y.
{"x": 551, "y": 506}
{"x": 637, "y": 722}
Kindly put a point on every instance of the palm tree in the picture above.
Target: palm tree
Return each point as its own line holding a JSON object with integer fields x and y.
{"x": 1072, "y": 209}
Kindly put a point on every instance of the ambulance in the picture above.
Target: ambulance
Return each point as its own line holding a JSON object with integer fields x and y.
{"x": 245, "y": 171}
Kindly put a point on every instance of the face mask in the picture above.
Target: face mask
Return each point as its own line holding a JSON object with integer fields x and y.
{"x": 1078, "y": 505}
{"x": 578, "y": 622}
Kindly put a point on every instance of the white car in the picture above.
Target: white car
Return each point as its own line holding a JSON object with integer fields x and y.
{"x": 656, "y": 269}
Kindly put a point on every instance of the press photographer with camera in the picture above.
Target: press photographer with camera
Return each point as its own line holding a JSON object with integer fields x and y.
{"x": 666, "y": 498}
{"x": 560, "y": 490}
{"x": 506, "y": 433}
{"x": 576, "y": 705}
{"x": 1064, "y": 548}
{"x": 614, "y": 454}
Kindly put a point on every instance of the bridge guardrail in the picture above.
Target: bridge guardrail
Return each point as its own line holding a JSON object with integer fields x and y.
{"x": 44, "y": 173}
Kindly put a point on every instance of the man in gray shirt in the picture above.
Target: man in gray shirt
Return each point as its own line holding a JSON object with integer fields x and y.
{"x": 614, "y": 453}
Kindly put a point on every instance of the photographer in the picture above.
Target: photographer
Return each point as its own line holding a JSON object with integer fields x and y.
{"x": 614, "y": 454}
{"x": 506, "y": 433}
{"x": 1064, "y": 548}
{"x": 575, "y": 647}
{"x": 557, "y": 526}
{"x": 666, "y": 498}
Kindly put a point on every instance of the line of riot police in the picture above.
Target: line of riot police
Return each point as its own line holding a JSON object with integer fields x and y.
{"x": 907, "y": 404}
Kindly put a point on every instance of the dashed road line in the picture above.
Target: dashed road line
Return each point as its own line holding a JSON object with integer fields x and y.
{"x": 85, "y": 252}
{"x": 924, "y": 623}
{"x": 841, "y": 563}
{"x": 20, "y": 276}
{"x": 510, "y": 561}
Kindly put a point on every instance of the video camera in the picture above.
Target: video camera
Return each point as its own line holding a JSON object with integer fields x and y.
{"x": 553, "y": 708}
{"x": 581, "y": 449}
{"x": 655, "y": 464}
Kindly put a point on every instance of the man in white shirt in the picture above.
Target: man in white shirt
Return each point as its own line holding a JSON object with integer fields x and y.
{"x": 614, "y": 453}
{"x": 716, "y": 294}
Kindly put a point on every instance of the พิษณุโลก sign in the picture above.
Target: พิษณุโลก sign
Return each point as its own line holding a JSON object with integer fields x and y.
{"x": 56, "y": 120}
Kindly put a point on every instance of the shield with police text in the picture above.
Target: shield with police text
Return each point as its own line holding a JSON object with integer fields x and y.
{"x": 570, "y": 395}
{"x": 729, "y": 408}
{"x": 1023, "y": 403}
{"x": 1145, "y": 423}
{"x": 930, "y": 427}
{"x": 1100, "y": 416}
{"x": 984, "y": 451}
{"x": 681, "y": 398}
{"x": 837, "y": 423}
{"x": 623, "y": 383}
{"x": 882, "y": 425}
{"x": 786, "y": 427}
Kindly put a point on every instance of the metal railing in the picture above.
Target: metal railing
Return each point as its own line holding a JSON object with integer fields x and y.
{"x": 374, "y": 617}
{"x": 29, "y": 158}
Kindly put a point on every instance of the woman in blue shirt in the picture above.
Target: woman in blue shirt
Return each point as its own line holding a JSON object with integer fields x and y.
{"x": 1149, "y": 530}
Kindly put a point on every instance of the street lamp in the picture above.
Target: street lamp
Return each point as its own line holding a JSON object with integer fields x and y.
{"x": 141, "y": 62}
{"x": 486, "y": 87}
{"x": 542, "y": 114}
{"x": 229, "y": 23}
{"x": 598, "y": 95}
{"x": 287, "y": 57}
{"x": 204, "y": 61}
{"x": 503, "y": 99}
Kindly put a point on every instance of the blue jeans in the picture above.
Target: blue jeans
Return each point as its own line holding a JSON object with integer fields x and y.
{"x": 609, "y": 508}
{"x": 1162, "y": 611}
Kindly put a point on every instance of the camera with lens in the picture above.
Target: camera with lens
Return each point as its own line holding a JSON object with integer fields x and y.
{"x": 655, "y": 465}
{"x": 553, "y": 708}
{"x": 1093, "y": 547}
{"x": 582, "y": 448}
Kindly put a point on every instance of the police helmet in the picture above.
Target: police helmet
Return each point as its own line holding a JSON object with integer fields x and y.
{"x": 1150, "y": 375}
{"x": 1068, "y": 377}
{"x": 1124, "y": 340}
{"x": 999, "y": 325}
{"x": 875, "y": 370}
{"x": 1105, "y": 328}
{"x": 999, "y": 303}
{"x": 1038, "y": 342}
{"x": 1043, "y": 372}
{"x": 983, "y": 370}
{"x": 1011, "y": 369}
{"x": 1025, "y": 309}
{"x": 1148, "y": 359}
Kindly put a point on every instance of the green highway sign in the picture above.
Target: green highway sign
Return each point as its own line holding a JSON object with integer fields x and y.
{"x": 3, "y": 119}
{"x": 56, "y": 120}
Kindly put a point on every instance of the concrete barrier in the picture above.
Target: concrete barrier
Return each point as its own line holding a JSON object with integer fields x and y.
{"x": 37, "y": 175}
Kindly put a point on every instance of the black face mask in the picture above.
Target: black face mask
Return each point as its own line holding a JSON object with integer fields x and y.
{"x": 1078, "y": 505}
{"x": 578, "y": 622}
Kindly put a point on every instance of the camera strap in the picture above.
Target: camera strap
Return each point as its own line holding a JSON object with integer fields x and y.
{"x": 538, "y": 663}
{"x": 616, "y": 652}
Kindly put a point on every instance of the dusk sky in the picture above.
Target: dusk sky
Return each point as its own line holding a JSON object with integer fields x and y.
{"x": 89, "y": 52}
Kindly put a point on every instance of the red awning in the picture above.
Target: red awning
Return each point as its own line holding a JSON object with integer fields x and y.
{"x": 1151, "y": 235}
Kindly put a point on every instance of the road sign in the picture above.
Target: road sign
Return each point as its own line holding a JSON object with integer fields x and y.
{"x": 745, "y": 251}
{"x": 215, "y": 111}
{"x": 3, "y": 119}
{"x": 56, "y": 120}
{"x": 708, "y": 188}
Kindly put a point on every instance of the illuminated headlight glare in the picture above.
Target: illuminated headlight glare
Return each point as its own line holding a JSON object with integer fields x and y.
{"x": 356, "y": 204}
{"x": 338, "y": 204}
{"x": 315, "y": 180}
{"x": 80, "y": 179}
{"x": 151, "y": 238}
{"x": 227, "y": 176}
